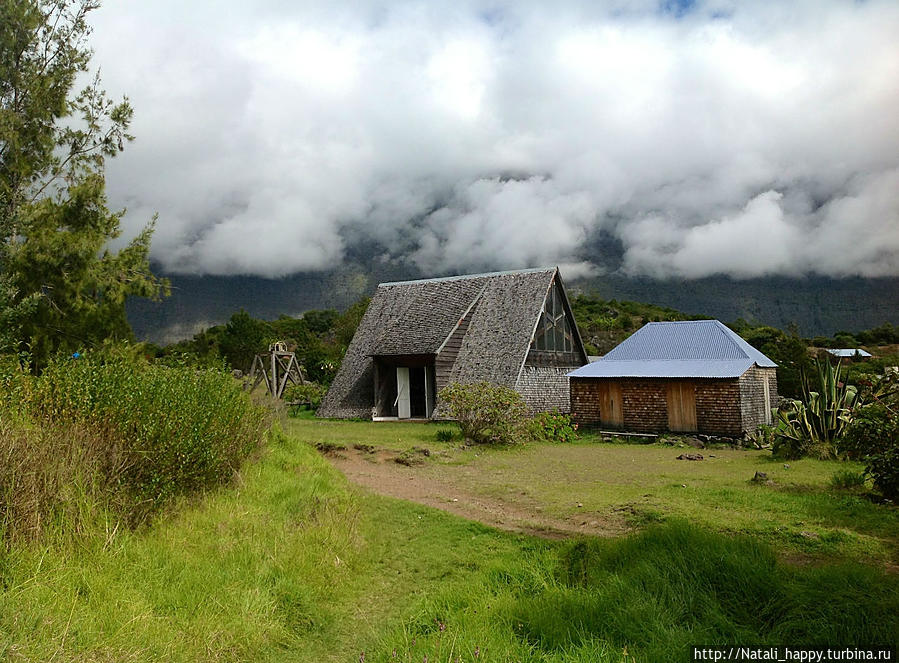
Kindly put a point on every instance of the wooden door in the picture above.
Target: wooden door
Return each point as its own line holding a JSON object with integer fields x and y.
{"x": 682, "y": 407}
{"x": 610, "y": 411}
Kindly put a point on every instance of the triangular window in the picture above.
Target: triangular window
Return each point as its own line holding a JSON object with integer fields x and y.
{"x": 553, "y": 331}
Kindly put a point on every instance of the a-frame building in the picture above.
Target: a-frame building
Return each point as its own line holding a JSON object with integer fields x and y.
{"x": 509, "y": 328}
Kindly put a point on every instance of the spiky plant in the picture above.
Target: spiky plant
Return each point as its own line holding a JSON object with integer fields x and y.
{"x": 815, "y": 424}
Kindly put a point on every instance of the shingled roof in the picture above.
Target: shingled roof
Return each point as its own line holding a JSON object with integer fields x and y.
{"x": 417, "y": 318}
{"x": 683, "y": 349}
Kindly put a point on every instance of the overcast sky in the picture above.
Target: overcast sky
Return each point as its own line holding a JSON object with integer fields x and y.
{"x": 718, "y": 137}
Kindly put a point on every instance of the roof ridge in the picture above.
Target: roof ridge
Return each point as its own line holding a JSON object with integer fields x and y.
{"x": 729, "y": 335}
{"x": 460, "y": 277}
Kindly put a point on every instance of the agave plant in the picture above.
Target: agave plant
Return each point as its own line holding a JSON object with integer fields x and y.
{"x": 815, "y": 424}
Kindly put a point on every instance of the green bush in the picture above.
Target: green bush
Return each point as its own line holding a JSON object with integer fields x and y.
{"x": 132, "y": 435}
{"x": 873, "y": 436}
{"x": 186, "y": 429}
{"x": 487, "y": 413}
{"x": 553, "y": 427}
{"x": 309, "y": 394}
{"x": 15, "y": 387}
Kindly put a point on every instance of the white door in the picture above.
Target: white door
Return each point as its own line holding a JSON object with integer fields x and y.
{"x": 404, "y": 409}
{"x": 767, "y": 417}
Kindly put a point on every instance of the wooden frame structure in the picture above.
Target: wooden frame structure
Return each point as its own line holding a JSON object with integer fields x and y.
{"x": 276, "y": 368}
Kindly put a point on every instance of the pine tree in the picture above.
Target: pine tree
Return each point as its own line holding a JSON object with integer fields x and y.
{"x": 61, "y": 288}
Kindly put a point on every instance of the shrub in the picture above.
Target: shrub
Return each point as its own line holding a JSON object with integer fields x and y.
{"x": 445, "y": 434}
{"x": 185, "y": 429}
{"x": 553, "y": 427}
{"x": 309, "y": 395}
{"x": 764, "y": 437}
{"x": 487, "y": 413}
{"x": 815, "y": 424}
{"x": 15, "y": 387}
{"x": 127, "y": 435}
{"x": 873, "y": 436}
{"x": 847, "y": 480}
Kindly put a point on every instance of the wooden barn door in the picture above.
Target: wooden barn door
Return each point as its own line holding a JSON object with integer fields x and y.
{"x": 610, "y": 410}
{"x": 682, "y": 407}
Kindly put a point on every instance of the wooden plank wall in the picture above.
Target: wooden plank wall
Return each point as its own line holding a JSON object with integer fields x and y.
{"x": 443, "y": 364}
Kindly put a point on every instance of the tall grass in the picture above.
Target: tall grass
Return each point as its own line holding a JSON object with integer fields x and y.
{"x": 116, "y": 436}
{"x": 649, "y": 597}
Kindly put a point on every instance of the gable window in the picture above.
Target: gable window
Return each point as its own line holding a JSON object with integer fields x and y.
{"x": 553, "y": 331}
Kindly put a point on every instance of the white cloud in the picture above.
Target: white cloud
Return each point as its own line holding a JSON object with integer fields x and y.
{"x": 740, "y": 138}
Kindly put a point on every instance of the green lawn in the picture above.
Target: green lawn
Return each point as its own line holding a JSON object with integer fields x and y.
{"x": 291, "y": 563}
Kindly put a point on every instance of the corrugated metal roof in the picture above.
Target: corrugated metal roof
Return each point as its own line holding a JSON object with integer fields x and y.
{"x": 693, "y": 348}
{"x": 849, "y": 352}
{"x": 729, "y": 368}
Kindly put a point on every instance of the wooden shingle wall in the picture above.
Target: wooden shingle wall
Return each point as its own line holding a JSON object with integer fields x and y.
{"x": 545, "y": 388}
{"x": 752, "y": 395}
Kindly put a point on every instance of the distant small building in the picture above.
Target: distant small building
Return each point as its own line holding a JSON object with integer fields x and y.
{"x": 848, "y": 354}
{"x": 508, "y": 328}
{"x": 691, "y": 376}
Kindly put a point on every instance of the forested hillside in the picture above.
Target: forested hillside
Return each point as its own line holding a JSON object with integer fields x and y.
{"x": 817, "y": 305}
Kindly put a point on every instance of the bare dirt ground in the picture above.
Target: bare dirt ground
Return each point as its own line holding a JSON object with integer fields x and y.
{"x": 438, "y": 486}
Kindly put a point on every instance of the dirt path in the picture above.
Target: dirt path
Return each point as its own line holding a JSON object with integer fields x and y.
{"x": 433, "y": 485}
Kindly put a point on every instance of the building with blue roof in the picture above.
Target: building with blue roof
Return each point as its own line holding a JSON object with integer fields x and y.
{"x": 848, "y": 354}
{"x": 687, "y": 376}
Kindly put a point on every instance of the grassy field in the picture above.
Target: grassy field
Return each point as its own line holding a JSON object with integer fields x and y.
{"x": 292, "y": 563}
{"x": 626, "y": 486}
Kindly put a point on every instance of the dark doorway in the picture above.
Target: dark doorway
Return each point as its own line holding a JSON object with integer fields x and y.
{"x": 418, "y": 397}
{"x": 404, "y": 387}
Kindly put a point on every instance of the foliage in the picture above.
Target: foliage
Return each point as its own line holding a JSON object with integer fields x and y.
{"x": 130, "y": 434}
{"x": 815, "y": 424}
{"x": 553, "y": 427}
{"x": 15, "y": 389}
{"x": 867, "y": 372}
{"x": 487, "y": 413}
{"x": 763, "y": 437}
{"x": 319, "y": 339}
{"x": 186, "y": 429}
{"x": 847, "y": 480}
{"x": 445, "y": 434}
{"x": 242, "y": 338}
{"x": 309, "y": 394}
{"x": 60, "y": 286}
{"x": 55, "y": 479}
{"x": 885, "y": 334}
{"x": 873, "y": 436}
